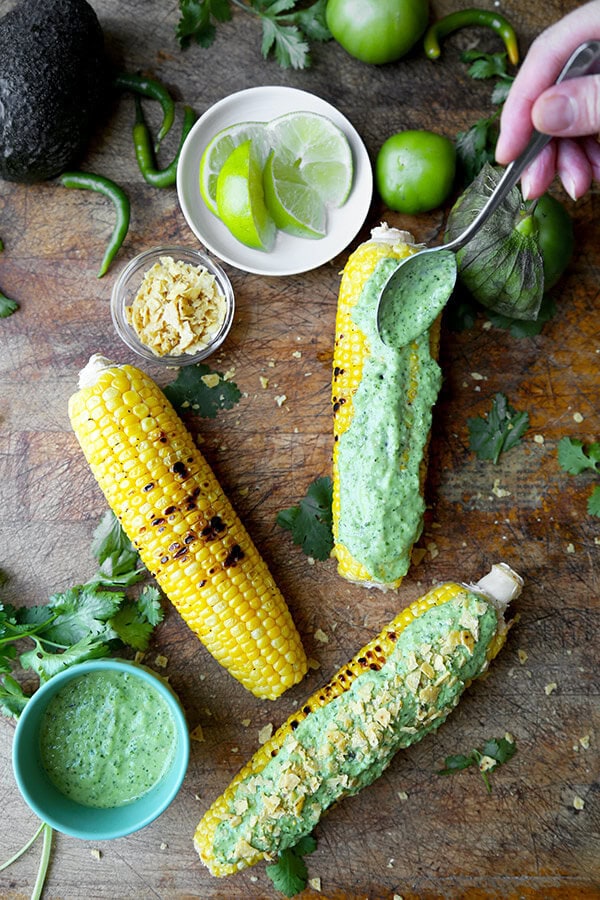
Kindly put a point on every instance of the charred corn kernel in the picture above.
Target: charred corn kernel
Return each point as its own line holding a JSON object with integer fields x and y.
{"x": 172, "y": 508}
{"x": 398, "y": 688}
{"x": 382, "y": 405}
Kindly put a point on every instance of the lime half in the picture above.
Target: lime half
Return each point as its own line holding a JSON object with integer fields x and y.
{"x": 294, "y": 205}
{"x": 219, "y": 148}
{"x": 320, "y": 150}
{"x": 240, "y": 198}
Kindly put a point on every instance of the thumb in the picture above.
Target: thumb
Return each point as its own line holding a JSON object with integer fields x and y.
{"x": 570, "y": 109}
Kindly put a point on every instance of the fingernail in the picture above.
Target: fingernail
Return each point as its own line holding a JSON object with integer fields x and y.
{"x": 555, "y": 113}
{"x": 525, "y": 186}
{"x": 569, "y": 186}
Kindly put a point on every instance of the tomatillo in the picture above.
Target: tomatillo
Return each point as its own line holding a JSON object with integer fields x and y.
{"x": 414, "y": 171}
{"x": 377, "y": 31}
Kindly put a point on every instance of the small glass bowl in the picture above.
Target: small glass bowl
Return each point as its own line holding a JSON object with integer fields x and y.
{"x": 128, "y": 283}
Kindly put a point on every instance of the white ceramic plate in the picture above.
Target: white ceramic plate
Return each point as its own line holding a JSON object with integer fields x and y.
{"x": 290, "y": 254}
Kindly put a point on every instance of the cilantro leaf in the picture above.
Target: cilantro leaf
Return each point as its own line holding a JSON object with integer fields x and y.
{"x": 134, "y": 623}
{"x": 46, "y": 663}
{"x": 120, "y": 563}
{"x": 149, "y": 606}
{"x": 499, "y": 432}
{"x": 310, "y": 523}
{"x": 80, "y": 611}
{"x": 476, "y": 147}
{"x": 190, "y": 392}
{"x": 495, "y": 752}
{"x": 575, "y": 458}
{"x": 195, "y": 22}
{"x": 7, "y": 306}
{"x": 286, "y": 41}
{"x": 13, "y": 698}
{"x": 290, "y": 874}
{"x": 593, "y": 504}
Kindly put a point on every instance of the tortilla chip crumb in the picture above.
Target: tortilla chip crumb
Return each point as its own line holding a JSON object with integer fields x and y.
{"x": 313, "y": 663}
{"x": 321, "y": 636}
{"x": 315, "y": 884}
{"x": 578, "y": 802}
{"x": 585, "y": 741}
{"x": 550, "y": 688}
{"x": 197, "y": 734}
{"x": 161, "y": 661}
{"x": 96, "y": 853}
{"x": 178, "y": 309}
{"x": 265, "y": 733}
{"x": 211, "y": 380}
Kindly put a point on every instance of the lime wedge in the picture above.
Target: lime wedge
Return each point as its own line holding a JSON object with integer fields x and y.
{"x": 217, "y": 151}
{"x": 240, "y": 198}
{"x": 294, "y": 205}
{"x": 320, "y": 150}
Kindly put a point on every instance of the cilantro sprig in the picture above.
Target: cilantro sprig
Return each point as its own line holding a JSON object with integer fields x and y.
{"x": 310, "y": 522}
{"x": 477, "y": 145}
{"x": 88, "y": 621}
{"x": 289, "y": 874}
{"x": 575, "y": 458}
{"x": 286, "y": 30}
{"x": 494, "y": 753}
{"x": 501, "y": 429}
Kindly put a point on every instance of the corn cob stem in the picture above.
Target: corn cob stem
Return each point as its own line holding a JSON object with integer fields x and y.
{"x": 398, "y": 688}
{"x": 382, "y": 401}
{"x": 173, "y": 509}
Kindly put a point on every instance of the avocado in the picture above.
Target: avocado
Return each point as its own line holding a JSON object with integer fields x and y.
{"x": 52, "y": 84}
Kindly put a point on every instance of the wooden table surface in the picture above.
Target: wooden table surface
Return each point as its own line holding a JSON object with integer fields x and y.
{"x": 412, "y": 834}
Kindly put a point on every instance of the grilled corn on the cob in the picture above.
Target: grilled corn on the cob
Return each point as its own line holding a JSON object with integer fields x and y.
{"x": 398, "y": 688}
{"x": 173, "y": 509}
{"x": 382, "y": 403}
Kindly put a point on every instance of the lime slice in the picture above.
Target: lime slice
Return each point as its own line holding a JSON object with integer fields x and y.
{"x": 320, "y": 149}
{"x": 294, "y": 205}
{"x": 217, "y": 151}
{"x": 240, "y": 198}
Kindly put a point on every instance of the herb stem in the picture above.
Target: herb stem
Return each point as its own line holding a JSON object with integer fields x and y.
{"x": 44, "y": 862}
{"x": 23, "y": 849}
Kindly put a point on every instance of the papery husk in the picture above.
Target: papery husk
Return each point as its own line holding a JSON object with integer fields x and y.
{"x": 500, "y": 266}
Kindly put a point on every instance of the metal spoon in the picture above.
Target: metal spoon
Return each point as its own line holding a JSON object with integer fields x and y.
{"x": 399, "y": 321}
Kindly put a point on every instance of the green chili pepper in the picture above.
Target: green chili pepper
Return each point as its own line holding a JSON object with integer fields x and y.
{"x": 467, "y": 17}
{"x": 89, "y": 181}
{"x": 149, "y": 87}
{"x": 144, "y": 152}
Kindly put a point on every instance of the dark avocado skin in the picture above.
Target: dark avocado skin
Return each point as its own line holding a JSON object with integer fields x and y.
{"x": 52, "y": 84}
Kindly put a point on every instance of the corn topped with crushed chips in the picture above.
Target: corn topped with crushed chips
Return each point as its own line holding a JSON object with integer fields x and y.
{"x": 178, "y": 309}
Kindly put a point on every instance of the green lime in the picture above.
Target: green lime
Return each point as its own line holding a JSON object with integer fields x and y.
{"x": 319, "y": 149}
{"x": 414, "y": 171}
{"x": 217, "y": 151}
{"x": 240, "y": 198}
{"x": 293, "y": 204}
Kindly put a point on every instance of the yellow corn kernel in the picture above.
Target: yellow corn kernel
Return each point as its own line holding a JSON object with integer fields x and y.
{"x": 318, "y": 765}
{"x": 351, "y": 350}
{"x": 173, "y": 509}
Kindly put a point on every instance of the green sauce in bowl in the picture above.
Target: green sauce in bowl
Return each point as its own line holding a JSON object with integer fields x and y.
{"x": 107, "y": 738}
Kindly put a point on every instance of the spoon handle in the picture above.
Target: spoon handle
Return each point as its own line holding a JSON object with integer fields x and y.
{"x": 579, "y": 64}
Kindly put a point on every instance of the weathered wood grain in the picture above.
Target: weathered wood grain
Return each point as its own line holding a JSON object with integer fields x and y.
{"x": 412, "y": 834}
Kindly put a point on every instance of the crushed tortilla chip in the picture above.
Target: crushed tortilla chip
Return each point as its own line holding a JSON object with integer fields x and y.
{"x": 178, "y": 309}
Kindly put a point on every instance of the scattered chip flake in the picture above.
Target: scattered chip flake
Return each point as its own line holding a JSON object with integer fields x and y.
{"x": 96, "y": 853}
{"x": 315, "y": 884}
{"x": 161, "y": 662}
{"x": 498, "y": 491}
{"x": 578, "y": 802}
{"x": 297, "y": 354}
{"x": 211, "y": 380}
{"x": 313, "y": 663}
{"x": 570, "y": 548}
{"x": 245, "y": 722}
{"x": 321, "y": 636}
{"x": 264, "y": 382}
{"x": 550, "y": 688}
{"x": 265, "y": 733}
{"x": 522, "y": 654}
{"x": 402, "y": 795}
{"x": 477, "y": 377}
{"x": 585, "y": 741}
{"x": 164, "y": 846}
{"x": 577, "y": 417}
{"x": 197, "y": 734}
{"x": 178, "y": 309}
{"x": 280, "y": 400}
{"x": 538, "y": 438}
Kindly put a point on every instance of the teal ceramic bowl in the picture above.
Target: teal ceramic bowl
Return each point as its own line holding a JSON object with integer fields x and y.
{"x": 62, "y": 812}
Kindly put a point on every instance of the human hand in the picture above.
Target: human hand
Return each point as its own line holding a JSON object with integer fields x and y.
{"x": 570, "y": 111}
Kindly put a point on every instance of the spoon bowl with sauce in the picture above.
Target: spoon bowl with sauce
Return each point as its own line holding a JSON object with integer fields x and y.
{"x": 419, "y": 288}
{"x": 101, "y": 749}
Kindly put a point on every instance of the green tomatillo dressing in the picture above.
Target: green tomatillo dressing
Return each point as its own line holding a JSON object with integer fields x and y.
{"x": 343, "y": 746}
{"x": 106, "y": 739}
{"x": 380, "y": 454}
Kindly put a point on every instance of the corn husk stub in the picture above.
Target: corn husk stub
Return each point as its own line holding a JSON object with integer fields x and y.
{"x": 501, "y": 266}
